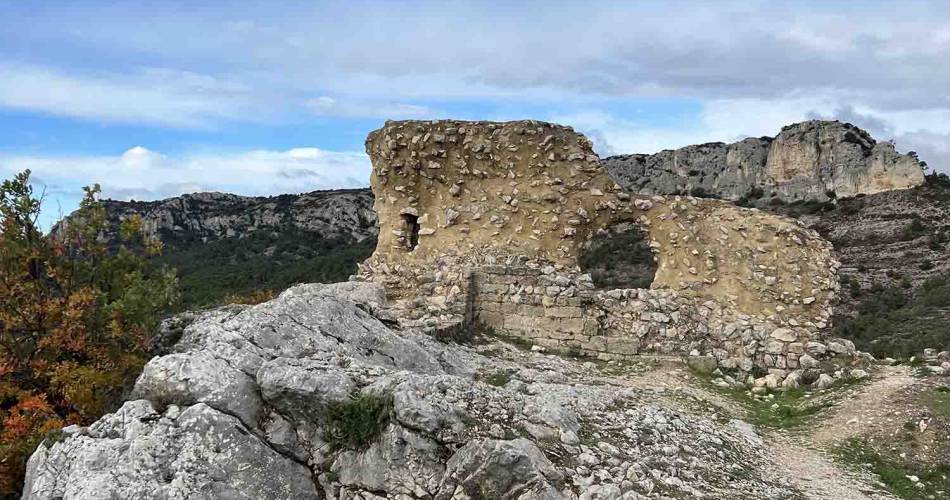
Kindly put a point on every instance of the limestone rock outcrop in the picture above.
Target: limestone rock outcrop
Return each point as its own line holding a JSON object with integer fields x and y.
{"x": 457, "y": 421}
{"x": 481, "y": 223}
{"x": 812, "y": 160}
{"x": 178, "y": 221}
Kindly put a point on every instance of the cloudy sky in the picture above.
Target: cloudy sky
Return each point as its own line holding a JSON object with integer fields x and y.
{"x": 155, "y": 99}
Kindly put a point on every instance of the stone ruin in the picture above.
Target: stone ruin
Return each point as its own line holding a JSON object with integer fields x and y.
{"x": 481, "y": 224}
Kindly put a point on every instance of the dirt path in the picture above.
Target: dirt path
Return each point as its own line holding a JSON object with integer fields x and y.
{"x": 817, "y": 476}
{"x": 802, "y": 458}
{"x": 870, "y": 407}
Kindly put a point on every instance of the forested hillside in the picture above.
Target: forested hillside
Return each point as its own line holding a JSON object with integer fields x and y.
{"x": 227, "y": 247}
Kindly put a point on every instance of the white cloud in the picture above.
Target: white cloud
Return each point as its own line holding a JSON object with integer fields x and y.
{"x": 328, "y": 106}
{"x": 144, "y": 174}
{"x": 152, "y": 96}
{"x": 729, "y": 120}
{"x": 373, "y": 58}
{"x": 752, "y": 66}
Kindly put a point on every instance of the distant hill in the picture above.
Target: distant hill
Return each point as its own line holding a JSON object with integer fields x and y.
{"x": 225, "y": 245}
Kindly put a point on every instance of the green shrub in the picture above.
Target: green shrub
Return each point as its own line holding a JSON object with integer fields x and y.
{"x": 894, "y": 472}
{"x": 620, "y": 259}
{"x": 913, "y": 230}
{"x": 894, "y": 321}
{"x": 498, "y": 379}
{"x": 357, "y": 423}
{"x": 700, "y": 192}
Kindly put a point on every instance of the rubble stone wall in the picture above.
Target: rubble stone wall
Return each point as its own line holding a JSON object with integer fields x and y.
{"x": 563, "y": 311}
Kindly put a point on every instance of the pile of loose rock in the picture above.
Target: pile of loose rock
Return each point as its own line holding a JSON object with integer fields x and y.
{"x": 933, "y": 362}
{"x": 819, "y": 366}
{"x": 245, "y": 408}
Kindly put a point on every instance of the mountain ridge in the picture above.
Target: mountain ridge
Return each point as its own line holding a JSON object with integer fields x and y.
{"x": 812, "y": 160}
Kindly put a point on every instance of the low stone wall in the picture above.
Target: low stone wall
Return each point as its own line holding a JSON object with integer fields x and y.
{"x": 551, "y": 305}
{"x": 559, "y": 308}
{"x": 538, "y": 303}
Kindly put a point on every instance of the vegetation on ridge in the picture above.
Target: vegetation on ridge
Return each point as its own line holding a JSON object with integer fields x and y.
{"x": 261, "y": 262}
{"x": 75, "y": 320}
{"x": 897, "y": 321}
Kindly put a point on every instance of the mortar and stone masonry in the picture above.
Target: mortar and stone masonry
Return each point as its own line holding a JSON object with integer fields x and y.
{"x": 481, "y": 224}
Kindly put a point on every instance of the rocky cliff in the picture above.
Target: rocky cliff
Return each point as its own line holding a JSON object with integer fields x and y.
{"x": 813, "y": 160}
{"x": 225, "y": 245}
{"x": 203, "y": 217}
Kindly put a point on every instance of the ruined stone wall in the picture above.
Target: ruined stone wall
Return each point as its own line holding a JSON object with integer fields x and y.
{"x": 553, "y": 307}
{"x": 482, "y": 222}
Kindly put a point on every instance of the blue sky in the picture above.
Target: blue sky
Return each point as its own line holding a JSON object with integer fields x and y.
{"x": 155, "y": 99}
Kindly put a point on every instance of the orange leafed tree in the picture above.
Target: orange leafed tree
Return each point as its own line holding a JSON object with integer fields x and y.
{"x": 75, "y": 319}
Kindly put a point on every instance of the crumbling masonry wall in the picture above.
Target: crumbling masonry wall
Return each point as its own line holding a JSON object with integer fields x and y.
{"x": 481, "y": 222}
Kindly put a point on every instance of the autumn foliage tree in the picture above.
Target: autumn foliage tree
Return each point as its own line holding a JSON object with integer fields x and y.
{"x": 75, "y": 318}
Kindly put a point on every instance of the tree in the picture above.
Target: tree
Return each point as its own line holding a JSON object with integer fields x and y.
{"x": 75, "y": 319}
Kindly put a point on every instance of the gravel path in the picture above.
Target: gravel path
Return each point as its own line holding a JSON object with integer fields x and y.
{"x": 802, "y": 458}
{"x": 820, "y": 478}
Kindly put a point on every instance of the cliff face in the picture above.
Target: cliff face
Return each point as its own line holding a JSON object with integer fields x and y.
{"x": 204, "y": 217}
{"x": 812, "y": 160}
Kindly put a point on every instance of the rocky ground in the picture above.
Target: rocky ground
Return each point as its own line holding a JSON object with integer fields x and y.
{"x": 316, "y": 395}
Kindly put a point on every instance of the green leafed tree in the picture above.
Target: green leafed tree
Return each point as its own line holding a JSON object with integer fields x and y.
{"x": 75, "y": 320}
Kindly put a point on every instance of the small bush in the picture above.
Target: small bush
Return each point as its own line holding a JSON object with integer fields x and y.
{"x": 498, "y": 379}
{"x": 894, "y": 472}
{"x": 937, "y": 241}
{"x": 357, "y": 423}
{"x": 913, "y": 230}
